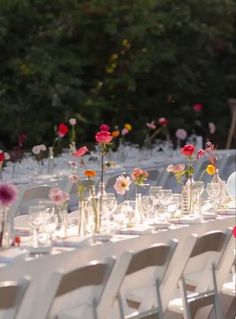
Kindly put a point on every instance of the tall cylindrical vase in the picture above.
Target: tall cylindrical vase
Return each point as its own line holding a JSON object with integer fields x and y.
{"x": 5, "y": 228}
{"x": 50, "y": 160}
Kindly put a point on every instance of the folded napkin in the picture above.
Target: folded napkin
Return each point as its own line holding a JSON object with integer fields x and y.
{"x": 187, "y": 220}
{"x": 160, "y": 224}
{"x": 22, "y": 231}
{"x": 136, "y": 230}
{"x": 74, "y": 241}
{"x": 227, "y": 211}
{"x": 8, "y": 255}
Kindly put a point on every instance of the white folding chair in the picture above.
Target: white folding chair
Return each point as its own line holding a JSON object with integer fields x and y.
{"x": 204, "y": 290}
{"x": 93, "y": 275}
{"x": 155, "y": 259}
{"x": 29, "y": 196}
{"x": 11, "y": 296}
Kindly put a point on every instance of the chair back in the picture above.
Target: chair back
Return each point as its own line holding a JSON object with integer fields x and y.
{"x": 96, "y": 273}
{"x": 11, "y": 296}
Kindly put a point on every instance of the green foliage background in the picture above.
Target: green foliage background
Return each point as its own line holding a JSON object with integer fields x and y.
{"x": 114, "y": 61}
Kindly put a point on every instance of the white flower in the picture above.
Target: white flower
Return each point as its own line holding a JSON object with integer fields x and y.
{"x": 36, "y": 149}
{"x": 122, "y": 184}
{"x": 212, "y": 128}
{"x": 72, "y": 122}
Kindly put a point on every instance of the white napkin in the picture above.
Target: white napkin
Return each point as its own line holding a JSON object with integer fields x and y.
{"x": 136, "y": 230}
{"x": 8, "y": 255}
{"x": 187, "y": 220}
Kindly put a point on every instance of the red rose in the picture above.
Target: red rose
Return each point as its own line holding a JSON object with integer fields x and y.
{"x": 163, "y": 121}
{"x": 2, "y": 156}
{"x": 234, "y": 231}
{"x": 62, "y": 130}
{"x": 103, "y": 137}
{"x": 104, "y": 127}
{"x": 188, "y": 150}
{"x": 81, "y": 151}
{"x": 197, "y": 107}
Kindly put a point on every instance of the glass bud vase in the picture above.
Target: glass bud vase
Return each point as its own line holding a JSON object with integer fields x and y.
{"x": 5, "y": 228}
{"x": 50, "y": 160}
{"x": 223, "y": 192}
{"x": 187, "y": 197}
{"x": 62, "y": 220}
{"x": 83, "y": 218}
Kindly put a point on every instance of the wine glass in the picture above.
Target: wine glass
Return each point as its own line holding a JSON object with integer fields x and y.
{"x": 50, "y": 225}
{"x": 36, "y": 219}
{"x": 166, "y": 196}
{"x": 147, "y": 205}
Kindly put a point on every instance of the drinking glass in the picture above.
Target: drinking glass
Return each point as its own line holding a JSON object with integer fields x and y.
{"x": 36, "y": 220}
{"x": 147, "y": 206}
{"x": 213, "y": 191}
{"x": 165, "y": 199}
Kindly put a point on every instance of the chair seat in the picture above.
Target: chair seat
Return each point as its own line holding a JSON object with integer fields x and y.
{"x": 229, "y": 289}
{"x": 83, "y": 311}
{"x": 137, "y": 295}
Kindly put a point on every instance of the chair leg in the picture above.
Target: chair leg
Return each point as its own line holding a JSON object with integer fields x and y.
{"x": 186, "y": 311}
{"x": 121, "y": 310}
{"x": 217, "y": 307}
{"x": 160, "y": 310}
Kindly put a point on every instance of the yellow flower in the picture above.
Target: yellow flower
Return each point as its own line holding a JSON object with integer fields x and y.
{"x": 125, "y": 42}
{"x": 114, "y": 56}
{"x": 128, "y": 126}
{"x": 211, "y": 169}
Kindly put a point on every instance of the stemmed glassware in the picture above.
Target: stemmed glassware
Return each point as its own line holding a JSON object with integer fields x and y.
{"x": 36, "y": 219}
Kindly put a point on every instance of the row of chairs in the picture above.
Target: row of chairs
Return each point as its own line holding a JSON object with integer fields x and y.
{"x": 169, "y": 291}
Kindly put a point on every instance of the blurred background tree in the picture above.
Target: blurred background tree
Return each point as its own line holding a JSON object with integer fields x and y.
{"x": 114, "y": 61}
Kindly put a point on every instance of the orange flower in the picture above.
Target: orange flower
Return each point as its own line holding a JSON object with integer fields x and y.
{"x": 90, "y": 173}
{"x": 115, "y": 133}
{"x": 211, "y": 169}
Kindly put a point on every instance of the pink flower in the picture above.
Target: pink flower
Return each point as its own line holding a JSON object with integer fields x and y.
{"x": 2, "y": 156}
{"x": 104, "y": 127}
{"x": 8, "y": 193}
{"x": 74, "y": 178}
{"x": 197, "y": 107}
{"x": 72, "y": 122}
{"x": 177, "y": 168}
{"x": 103, "y": 137}
{"x": 234, "y": 231}
{"x": 212, "y": 128}
{"x": 58, "y": 197}
{"x": 124, "y": 131}
{"x": 36, "y": 149}
{"x": 139, "y": 175}
{"x": 163, "y": 121}
{"x": 151, "y": 125}
{"x": 122, "y": 184}
{"x": 81, "y": 151}
{"x": 181, "y": 134}
{"x": 42, "y": 147}
{"x": 200, "y": 153}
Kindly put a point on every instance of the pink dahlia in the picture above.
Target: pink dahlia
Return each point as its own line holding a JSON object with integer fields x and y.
{"x": 104, "y": 127}
{"x": 103, "y": 137}
{"x": 8, "y": 194}
{"x": 58, "y": 197}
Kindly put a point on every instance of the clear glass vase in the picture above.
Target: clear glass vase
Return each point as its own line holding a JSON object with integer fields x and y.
{"x": 6, "y": 228}
{"x": 83, "y": 218}
{"x": 50, "y": 160}
{"x": 223, "y": 192}
{"x": 187, "y": 197}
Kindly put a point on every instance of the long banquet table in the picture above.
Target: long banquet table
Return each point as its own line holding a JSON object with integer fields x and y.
{"x": 40, "y": 269}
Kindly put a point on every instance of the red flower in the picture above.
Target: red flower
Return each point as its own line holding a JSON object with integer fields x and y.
{"x": 104, "y": 127}
{"x": 234, "y": 231}
{"x": 62, "y": 130}
{"x": 81, "y": 151}
{"x": 163, "y": 121}
{"x": 2, "y": 156}
{"x": 197, "y": 107}
{"x": 188, "y": 150}
{"x": 103, "y": 137}
{"x": 21, "y": 139}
